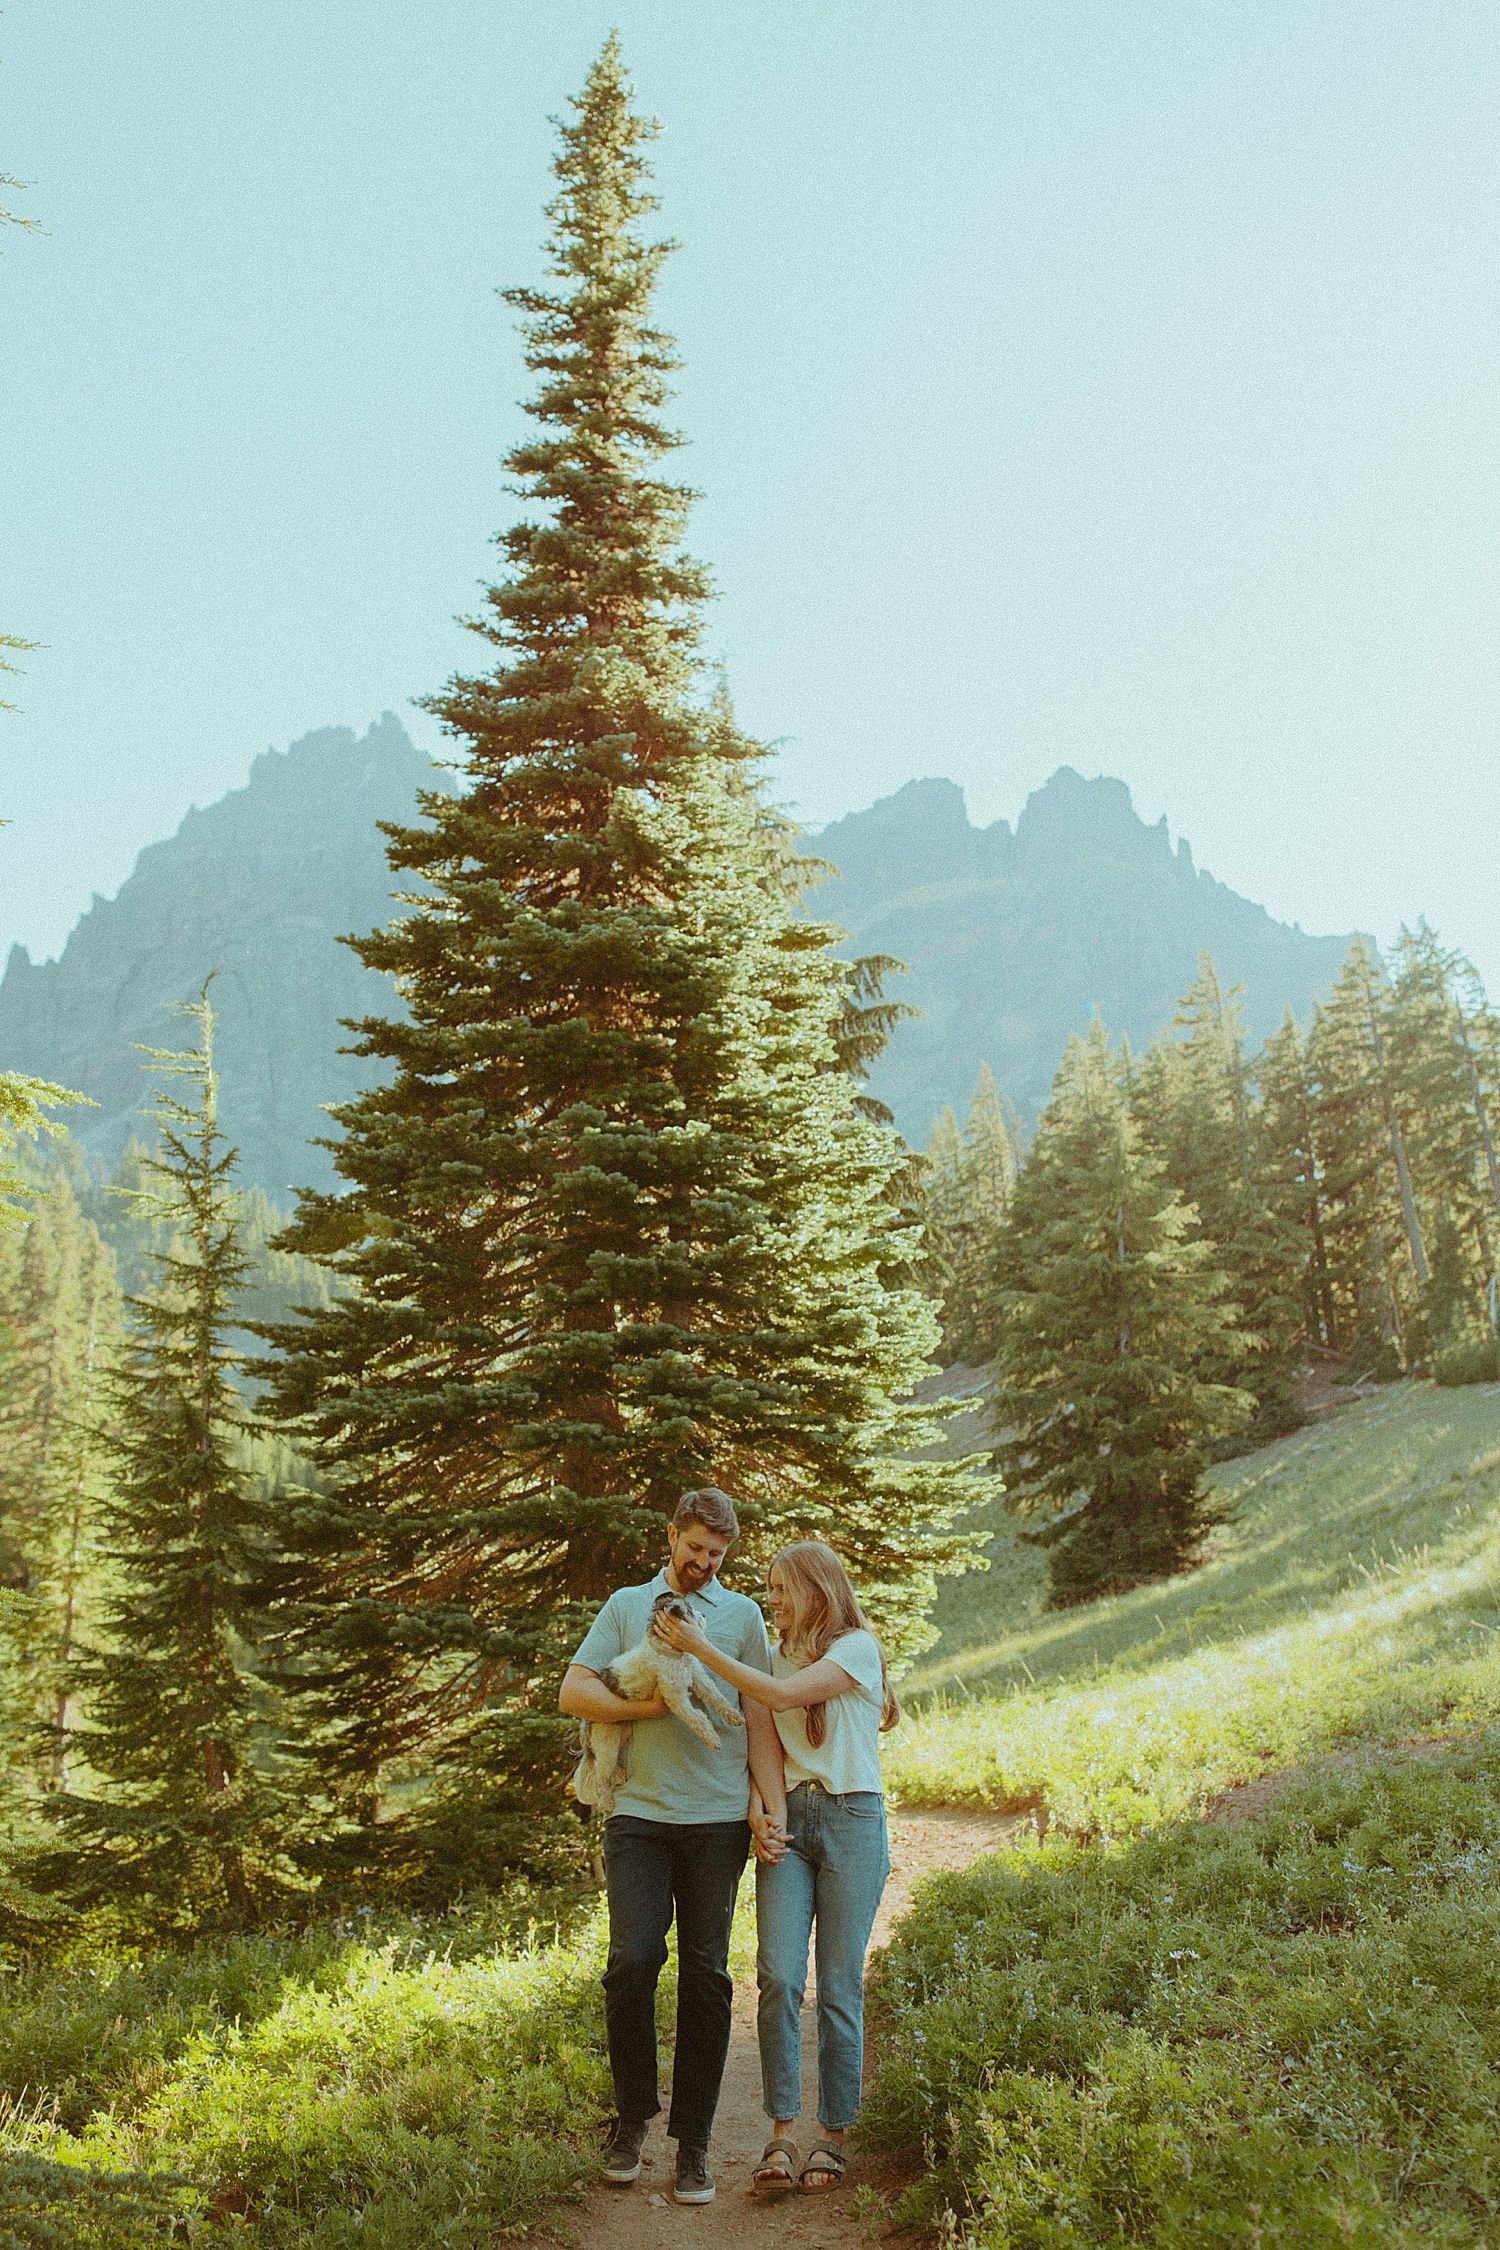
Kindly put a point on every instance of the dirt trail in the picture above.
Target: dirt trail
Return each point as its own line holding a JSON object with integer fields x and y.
{"x": 644, "y": 2217}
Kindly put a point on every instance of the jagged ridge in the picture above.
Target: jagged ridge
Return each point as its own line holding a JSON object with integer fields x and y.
{"x": 1016, "y": 938}
{"x": 1013, "y": 937}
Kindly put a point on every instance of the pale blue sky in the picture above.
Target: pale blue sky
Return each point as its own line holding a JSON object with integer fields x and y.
{"x": 1111, "y": 383}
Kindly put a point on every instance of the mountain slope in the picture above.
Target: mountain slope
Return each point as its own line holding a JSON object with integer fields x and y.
{"x": 1014, "y": 939}
{"x": 1350, "y": 1596}
{"x": 258, "y": 888}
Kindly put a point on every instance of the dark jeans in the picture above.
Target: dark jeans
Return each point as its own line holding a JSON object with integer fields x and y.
{"x": 653, "y": 1870}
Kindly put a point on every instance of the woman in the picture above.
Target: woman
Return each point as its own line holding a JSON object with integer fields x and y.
{"x": 823, "y": 1857}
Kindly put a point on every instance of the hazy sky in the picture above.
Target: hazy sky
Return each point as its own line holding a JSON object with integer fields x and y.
{"x": 1111, "y": 383}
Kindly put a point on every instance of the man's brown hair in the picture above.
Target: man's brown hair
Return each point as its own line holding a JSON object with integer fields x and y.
{"x": 710, "y": 1507}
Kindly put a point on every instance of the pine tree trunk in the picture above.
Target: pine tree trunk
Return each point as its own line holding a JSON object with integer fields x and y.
{"x": 1408, "y": 1201}
{"x": 71, "y": 1578}
{"x": 65, "y": 1646}
{"x": 33, "y": 1655}
{"x": 1392, "y": 1294}
{"x": 1324, "y": 1305}
{"x": 1327, "y": 1311}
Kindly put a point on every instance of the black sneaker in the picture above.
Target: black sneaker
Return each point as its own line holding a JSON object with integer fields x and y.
{"x": 621, "y": 2161}
{"x": 695, "y": 2182}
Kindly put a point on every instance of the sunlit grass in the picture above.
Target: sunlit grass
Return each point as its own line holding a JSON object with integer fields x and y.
{"x": 421, "y": 2088}
{"x": 437, "y": 2084}
{"x": 1354, "y": 1596}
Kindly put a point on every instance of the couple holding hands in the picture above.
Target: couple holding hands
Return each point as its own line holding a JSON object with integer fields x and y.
{"x": 802, "y": 1782}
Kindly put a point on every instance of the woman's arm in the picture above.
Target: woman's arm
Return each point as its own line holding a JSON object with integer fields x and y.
{"x": 815, "y": 1683}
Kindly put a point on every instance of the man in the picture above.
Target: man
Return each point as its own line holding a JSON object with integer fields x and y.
{"x": 676, "y": 1844}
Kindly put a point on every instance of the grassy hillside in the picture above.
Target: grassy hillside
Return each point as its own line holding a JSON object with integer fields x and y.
{"x": 1285, "y": 2031}
{"x": 1244, "y": 2033}
{"x": 1355, "y": 1595}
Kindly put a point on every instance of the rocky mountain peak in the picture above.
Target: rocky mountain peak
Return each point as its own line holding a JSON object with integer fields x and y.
{"x": 257, "y": 888}
{"x": 1013, "y": 940}
{"x": 1072, "y": 817}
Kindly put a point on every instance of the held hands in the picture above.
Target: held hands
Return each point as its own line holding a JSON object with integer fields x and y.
{"x": 678, "y": 1634}
{"x": 770, "y": 1838}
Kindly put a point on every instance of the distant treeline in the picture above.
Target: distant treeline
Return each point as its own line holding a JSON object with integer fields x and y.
{"x": 1193, "y": 1225}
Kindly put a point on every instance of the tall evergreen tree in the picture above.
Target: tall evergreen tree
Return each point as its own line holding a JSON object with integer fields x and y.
{"x": 1372, "y": 1272}
{"x": 1192, "y": 1098}
{"x": 60, "y": 1312}
{"x": 1478, "y": 1025}
{"x": 185, "y": 1825}
{"x": 991, "y": 1141}
{"x": 616, "y": 1225}
{"x": 965, "y": 1185}
{"x": 1455, "y": 1176}
{"x": 1108, "y": 1311}
{"x": 944, "y": 1215}
{"x": 1290, "y": 1170}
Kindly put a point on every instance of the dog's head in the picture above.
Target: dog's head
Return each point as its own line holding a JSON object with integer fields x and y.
{"x": 669, "y": 1605}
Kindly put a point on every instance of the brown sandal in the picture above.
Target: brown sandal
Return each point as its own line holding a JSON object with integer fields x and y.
{"x": 776, "y": 2171}
{"x": 823, "y": 2170}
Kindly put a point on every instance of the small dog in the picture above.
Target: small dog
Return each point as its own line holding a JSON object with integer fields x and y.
{"x": 648, "y": 1669}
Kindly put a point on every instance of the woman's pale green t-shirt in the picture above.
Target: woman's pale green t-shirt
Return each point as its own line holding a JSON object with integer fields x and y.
{"x": 848, "y": 1757}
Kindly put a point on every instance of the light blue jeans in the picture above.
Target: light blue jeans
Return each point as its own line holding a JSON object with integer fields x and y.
{"x": 831, "y": 1880}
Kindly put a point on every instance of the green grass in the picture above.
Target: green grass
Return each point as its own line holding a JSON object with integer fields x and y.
{"x": 425, "y": 2087}
{"x": 1354, "y": 1597}
{"x": 1097, "y": 2046}
{"x": 346, "y": 2088}
{"x": 1279, "y": 2032}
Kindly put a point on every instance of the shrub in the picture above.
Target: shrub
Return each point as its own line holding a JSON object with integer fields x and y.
{"x": 1473, "y": 1359}
{"x": 394, "y": 2090}
{"x": 47, "y": 2206}
{"x": 1278, "y": 2032}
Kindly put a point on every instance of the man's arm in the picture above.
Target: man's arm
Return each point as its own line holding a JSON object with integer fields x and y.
{"x": 583, "y": 1695}
{"x": 763, "y": 1749}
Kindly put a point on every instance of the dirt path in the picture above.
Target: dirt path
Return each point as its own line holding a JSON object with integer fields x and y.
{"x": 1253, "y": 1799}
{"x": 644, "y": 2217}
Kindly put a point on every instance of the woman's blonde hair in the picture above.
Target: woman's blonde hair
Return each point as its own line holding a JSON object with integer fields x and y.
{"x": 824, "y": 1607}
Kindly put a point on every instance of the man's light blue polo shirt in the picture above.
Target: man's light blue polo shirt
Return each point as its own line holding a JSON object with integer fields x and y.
{"x": 669, "y": 1774}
